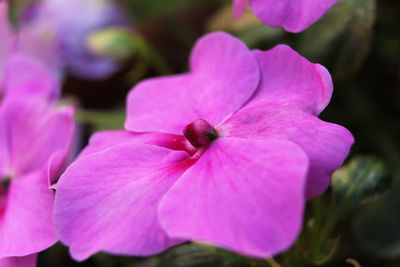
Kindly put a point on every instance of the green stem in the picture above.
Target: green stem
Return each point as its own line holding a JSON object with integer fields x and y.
{"x": 147, "y": 52}
{"x": 272, "y": 262}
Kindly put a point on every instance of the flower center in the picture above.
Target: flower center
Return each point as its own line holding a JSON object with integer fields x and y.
{"x": 200, "y": 133}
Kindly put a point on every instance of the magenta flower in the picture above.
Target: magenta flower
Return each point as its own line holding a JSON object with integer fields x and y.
{"x": 292, "y": 15}
{"x": 34, "y": 144}
{"x": 226, "y": 154}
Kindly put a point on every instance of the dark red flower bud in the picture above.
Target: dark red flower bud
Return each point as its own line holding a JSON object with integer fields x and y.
{"x": 200, "y": 133}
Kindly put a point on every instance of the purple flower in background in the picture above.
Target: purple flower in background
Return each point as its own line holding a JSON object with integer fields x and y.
{"x": 35, "y": 138}
{"x": 67, "y": 24}
{"x": 226, "y": 154}
{"x": 292, "y": 15}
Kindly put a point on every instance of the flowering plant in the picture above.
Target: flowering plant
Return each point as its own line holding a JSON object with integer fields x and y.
{"x": 230, "y": 158}
{"x": 225, "y": 154}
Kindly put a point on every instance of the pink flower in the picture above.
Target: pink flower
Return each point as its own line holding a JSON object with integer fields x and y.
{"x": 34, "y": 142}
{"x": 35, "y": 138}
{"x": 27, "y": 42}
{"x": 252, "y": 151}
{"x": 21, "y": 74}
{"x": 292, "y": 15}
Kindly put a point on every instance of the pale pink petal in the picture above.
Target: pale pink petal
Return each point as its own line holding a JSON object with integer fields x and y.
{"x": 239, "y": 6}
{"x": 27, "y": 261}
{"x": 107, "y": 201}
{"x": 289, "y": 77}
{"x": 292, "y": 15}
{"x": 326, "y": 144}
{"x": 243, "y": 195}
{"x": 26, "y": 76}
{"x": 26, "y": 225}
{"x": 34, "y": 131}
{"x": 224, "y": 74}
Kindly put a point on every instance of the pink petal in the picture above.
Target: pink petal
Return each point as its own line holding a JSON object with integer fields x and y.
{"x": 326, "y": 144}
{"x": 107, "y": 201}
{"x": 26, "y": 76}
{"x": 27, "y": 261}
{"x": 26, "y": 225}
{"x": 246, "y": 196}
{"x": 292, "y": 15}
{"x": 101, "y": 141}
{"x": 34, "y": 132}
{"x": 223, "y": 76}
{"x": 4, "y": 151}
{"x": 289, "y": 77}
{"x": 239, "y": 6}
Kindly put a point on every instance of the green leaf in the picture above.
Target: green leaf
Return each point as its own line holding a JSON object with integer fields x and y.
{"x": 361, "y": 178}
{"x": 377, "y": 226}
{"x": 103, "y": 120}
{"x": 342, "y": 38}
{"x": 200, "y": 255}
{"x": 325, "y": 252}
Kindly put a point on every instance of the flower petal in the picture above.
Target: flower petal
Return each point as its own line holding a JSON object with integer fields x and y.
{"x": 289, "y": 77}
{"x": 326, "y": 144}
{"x": 26, "y": 225}
{"x": 27, "y": 261}
{"x": 4, "y": 151}
{"x": 239, "y": 6}
{"x": 26, "y": 76}
{"x": 224, "y": 75}
{"x": 107, "y": 201}
{"x": 101, "y": 141}
{"x": 34, "y": 132}
{"x": 246, "y": 196}
{"x": 292, "y": 15}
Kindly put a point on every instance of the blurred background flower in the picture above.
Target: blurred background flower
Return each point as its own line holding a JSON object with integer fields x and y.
{"x": 292, "y": 15}
{"x": 64, "y": 28}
